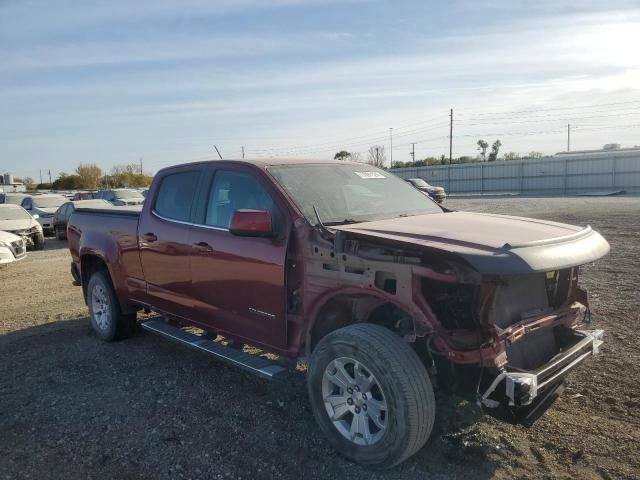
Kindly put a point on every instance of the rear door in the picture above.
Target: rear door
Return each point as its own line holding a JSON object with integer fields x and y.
{"x": 163, "y": 236}
{"x": 238, "y": 283}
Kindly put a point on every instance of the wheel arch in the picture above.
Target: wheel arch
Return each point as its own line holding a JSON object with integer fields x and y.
{"x": 91, "y": 262}
{"x": 342, "y": 307}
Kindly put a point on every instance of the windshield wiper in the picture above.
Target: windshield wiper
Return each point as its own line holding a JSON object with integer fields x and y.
{"x": 346, "y": 221}
{"x": 324, "y": 231}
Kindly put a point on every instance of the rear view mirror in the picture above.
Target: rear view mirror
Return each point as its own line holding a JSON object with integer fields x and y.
{"x": 251, "y": 223}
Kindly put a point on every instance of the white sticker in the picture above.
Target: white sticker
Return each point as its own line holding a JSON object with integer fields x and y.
{"x": 369, "y": 174}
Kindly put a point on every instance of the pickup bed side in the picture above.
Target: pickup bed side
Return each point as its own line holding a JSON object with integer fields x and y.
{"x": 107, "y": 239}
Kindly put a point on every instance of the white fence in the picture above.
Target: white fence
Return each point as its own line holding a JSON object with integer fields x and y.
{"x": 562, "y": 174}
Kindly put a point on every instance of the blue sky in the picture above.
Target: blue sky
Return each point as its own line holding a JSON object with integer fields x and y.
{"x": 110, "y": 82}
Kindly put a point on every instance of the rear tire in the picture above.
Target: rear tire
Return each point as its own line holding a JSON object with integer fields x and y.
{"x": 382, "y": 411}
{"x": 105, "y": 314}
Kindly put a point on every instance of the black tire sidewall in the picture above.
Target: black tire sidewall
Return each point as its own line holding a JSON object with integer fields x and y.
{"x": 389, "y": 450}
{"x": 38, "y": 241}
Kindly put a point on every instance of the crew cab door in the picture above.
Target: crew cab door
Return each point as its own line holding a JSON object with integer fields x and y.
{"x": 238, "y": 282}
{"x": 163, "y": 237}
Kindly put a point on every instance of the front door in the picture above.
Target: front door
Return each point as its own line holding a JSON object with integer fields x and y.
{"x": 239, "y": 282}
{"x": 163, "y": 236}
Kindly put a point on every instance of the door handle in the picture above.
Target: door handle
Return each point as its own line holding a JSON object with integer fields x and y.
{"x": 204, "y": 247}
{"x": 150, "y": 237}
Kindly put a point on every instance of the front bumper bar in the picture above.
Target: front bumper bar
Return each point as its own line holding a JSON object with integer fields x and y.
{"x": 516, "y": 388}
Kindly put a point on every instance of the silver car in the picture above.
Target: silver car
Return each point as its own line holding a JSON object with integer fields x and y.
{"x": 44, "y": 206}
{"x": 16, "y": 220}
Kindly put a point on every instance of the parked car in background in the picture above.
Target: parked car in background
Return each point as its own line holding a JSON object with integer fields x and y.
{"x": 44, "y": 206}
{"x": 87, "y": 195}
{"x": 12, "y": 248}
{"x": 61, "y": 217}
{"x": 121, "y": 196}
{"x": 16, "y": 220}
{"x": 437, "y": 193}
{"x": 13, "y": 198}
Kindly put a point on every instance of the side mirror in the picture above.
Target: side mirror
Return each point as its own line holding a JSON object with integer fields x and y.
{"x": 35, "y": 216}
{"x": 251, "y": 223}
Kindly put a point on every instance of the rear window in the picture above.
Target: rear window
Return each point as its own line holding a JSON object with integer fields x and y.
{"x": 175, "y": 195}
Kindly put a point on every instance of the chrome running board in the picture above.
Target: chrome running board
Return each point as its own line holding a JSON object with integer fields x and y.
{"x": 251, "y": 363}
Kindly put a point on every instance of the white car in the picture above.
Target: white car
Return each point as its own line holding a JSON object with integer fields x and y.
{"x": 12, "y": 248}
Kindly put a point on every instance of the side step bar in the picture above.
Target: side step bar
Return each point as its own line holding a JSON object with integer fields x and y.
{"x": 252, "y": 363}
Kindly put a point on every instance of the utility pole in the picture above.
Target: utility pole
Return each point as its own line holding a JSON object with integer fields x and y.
{"x": 413, "y": 151}
{"x": 568, "y": 137}
{"x": 49, "y": 176}
{"x": 40, "y": 175}
{"x": 451, "y": 137}
{"x": 391, "y": 141}
{"x": 140, "y": 165}
{"x": 243, "y": 152}
{"x": 216, "y": 147}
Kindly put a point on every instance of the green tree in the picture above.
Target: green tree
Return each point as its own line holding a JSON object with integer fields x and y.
{"x": 128, "y": 176}
{"x": 89, "y": 174}
{"x": 68, "y": 182}
{"x": 495, "y": 149}
{"x": 482, "y": 147}
{"x": 342, "y": 155}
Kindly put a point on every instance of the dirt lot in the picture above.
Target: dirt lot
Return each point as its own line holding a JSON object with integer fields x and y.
{"x": 72, "y": 406}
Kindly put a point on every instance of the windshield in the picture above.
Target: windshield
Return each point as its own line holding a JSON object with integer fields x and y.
{"x": 345, "y": 193}
{"x": 91, "y": 203}
{"x": 13, "y": 213}
{"x": 128, "y": 194}
{"x": 418, "y": 182}
{"x": 53, "y": 201}
{"x": 13, "y": 199}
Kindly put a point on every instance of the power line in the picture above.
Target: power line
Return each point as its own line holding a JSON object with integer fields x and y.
{"x": 575, "y": 107}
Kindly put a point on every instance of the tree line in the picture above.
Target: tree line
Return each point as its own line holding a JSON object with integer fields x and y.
{"x": 376, "y": 156}
{"x": 89, "y": 176}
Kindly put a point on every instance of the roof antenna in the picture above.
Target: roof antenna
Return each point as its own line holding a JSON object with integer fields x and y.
{"x": 218, "y": 151}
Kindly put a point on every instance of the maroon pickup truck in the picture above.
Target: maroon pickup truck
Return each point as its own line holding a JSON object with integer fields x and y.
{"x": 382, "y": 292}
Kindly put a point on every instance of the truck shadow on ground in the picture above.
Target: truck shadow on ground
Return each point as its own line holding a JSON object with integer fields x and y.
{"x": 73, "y": 406}
{"x": 51, "y": 243}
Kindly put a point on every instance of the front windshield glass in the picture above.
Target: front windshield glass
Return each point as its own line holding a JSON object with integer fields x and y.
{"x": 53, "y": 201}
{"x": 128, "y": 194}
{"x": 350, "y": 193}
{"x": 13, "y": 213}
{"x": 418, "y": 182}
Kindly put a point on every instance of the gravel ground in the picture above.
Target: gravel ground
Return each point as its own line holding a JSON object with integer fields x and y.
{"x": 72, "y": 406}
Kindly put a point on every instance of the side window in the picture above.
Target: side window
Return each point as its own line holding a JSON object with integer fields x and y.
{"x": 175, "y": 195}
{"x": 231, "y": 191}
{"x": 26, "y": 203}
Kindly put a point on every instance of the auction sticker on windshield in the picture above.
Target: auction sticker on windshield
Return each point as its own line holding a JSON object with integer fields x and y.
{"x": 369, "y": 174}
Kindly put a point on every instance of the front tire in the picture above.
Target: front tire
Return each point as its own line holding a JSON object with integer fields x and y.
{"x": 38, "y": 241}
{"x": 61, "y": 234}
{"x": 105, "y": 314}
{"x": 371, "y": 395}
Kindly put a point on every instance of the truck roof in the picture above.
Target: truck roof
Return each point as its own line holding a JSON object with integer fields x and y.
{"x": 269, "y": 162}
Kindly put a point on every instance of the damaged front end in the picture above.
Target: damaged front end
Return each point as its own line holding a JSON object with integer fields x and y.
{"x": 500, "y": 324}
{"x": 530, "y": 339}
{"x": 521, "y": 395}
